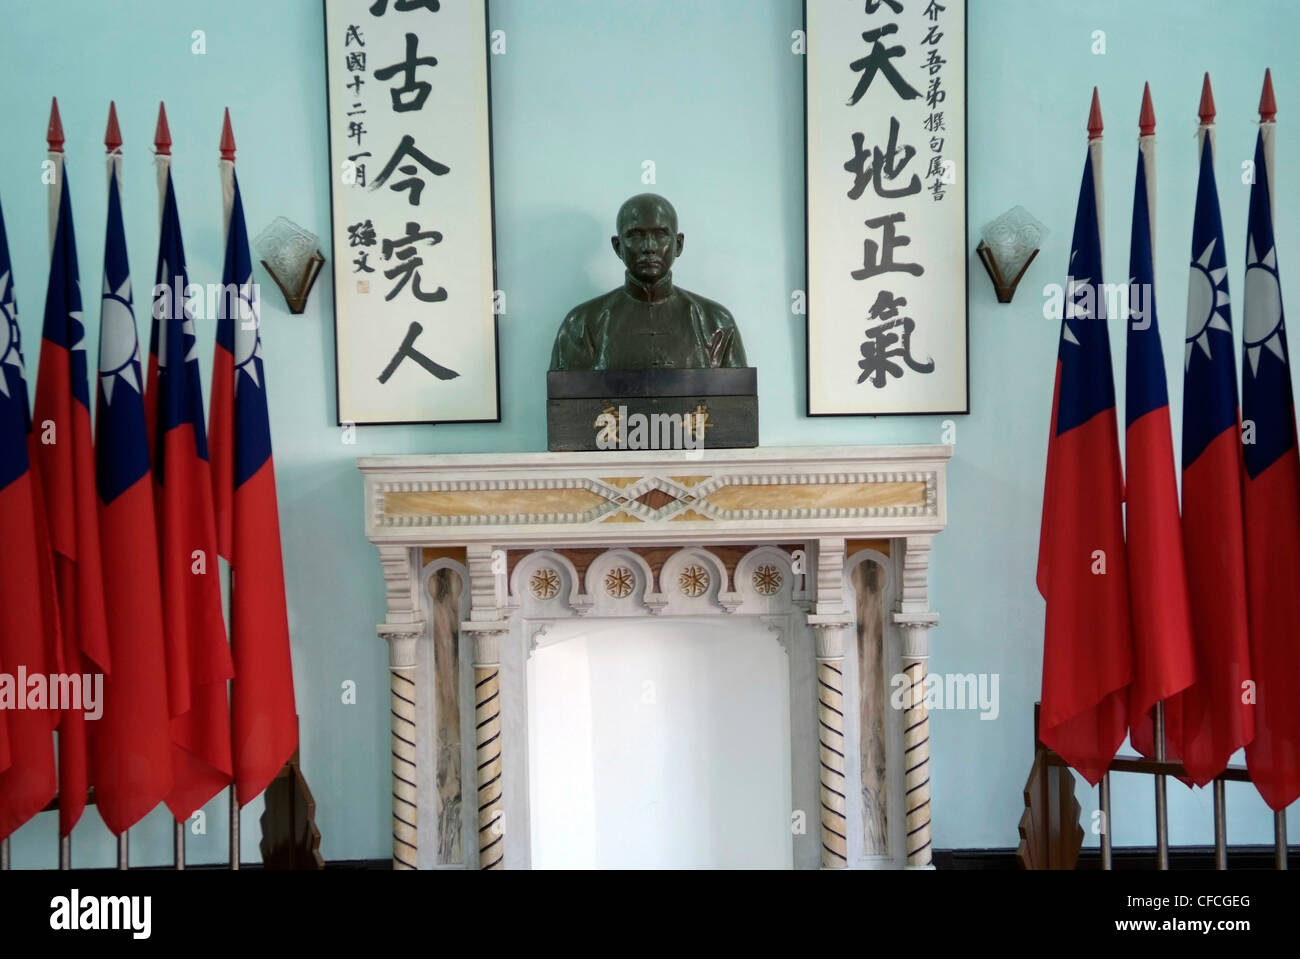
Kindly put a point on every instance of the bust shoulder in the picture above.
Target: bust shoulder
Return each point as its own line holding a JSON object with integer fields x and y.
{"x": 711, "y": 310}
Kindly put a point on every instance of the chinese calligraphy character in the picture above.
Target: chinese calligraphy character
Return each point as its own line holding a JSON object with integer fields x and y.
{"x": 407, "y": 148}
{"x": 356, "y": 62}
{"x": 361, "y": 263}
{"x": 380, "y": 7}
{"x": 879, "y": 61}
{"x": 407, "y": 67}
{"x": 353, "y": 34}
{"x": 356, "y": 130}
{"x": 358, "y": 169}
{"x": 878, "y": 258}
{"x": 884, "y": 342}
{"x": 869, "y": 166}
{"x": 407, "y": 349}
{"x": 408, "y": 263}
{"x": 873, "y": 5}
{"x": 355, "y": 84}
{"x": 933, "y": 95}
{"x": 362, "y": 234}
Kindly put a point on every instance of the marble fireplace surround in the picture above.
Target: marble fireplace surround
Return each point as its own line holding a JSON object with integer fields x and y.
{"x": 827, "y": 547}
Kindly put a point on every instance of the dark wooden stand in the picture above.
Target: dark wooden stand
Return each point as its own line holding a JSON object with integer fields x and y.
{"x": 290, "y": 839}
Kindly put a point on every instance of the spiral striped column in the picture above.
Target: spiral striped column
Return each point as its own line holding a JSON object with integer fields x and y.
{"x": 487, "y": 751}
{"x": 830, "y": 746}
{"x": 916, "y": 765}
{"x": 405, "y": 812}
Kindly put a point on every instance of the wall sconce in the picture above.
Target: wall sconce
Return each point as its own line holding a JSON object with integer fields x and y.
{"x": 292, "y": 256}
{"x": 1007, "y": 246}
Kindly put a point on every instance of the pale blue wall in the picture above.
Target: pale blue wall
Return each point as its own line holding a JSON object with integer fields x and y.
{"x": 580, "y": 100}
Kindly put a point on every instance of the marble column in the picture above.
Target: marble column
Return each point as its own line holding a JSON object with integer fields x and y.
{"x": 830, "y": 745}
{"x": 487, "y": 749}
{"x": 915, "y": 619}
{"x": 401, "y": 640}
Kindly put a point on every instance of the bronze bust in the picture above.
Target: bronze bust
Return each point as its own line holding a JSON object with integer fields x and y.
{"x": 648, "y": 323}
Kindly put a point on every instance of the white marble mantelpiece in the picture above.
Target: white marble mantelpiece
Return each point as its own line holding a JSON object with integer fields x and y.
{"x": 520, "y": 540}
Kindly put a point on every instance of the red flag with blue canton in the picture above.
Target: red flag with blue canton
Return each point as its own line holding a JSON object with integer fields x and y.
{"x": 248, "y": 523}
{"x": 1271, "y": 499}
{"x": 67, "y": 472}
{"x": 27, "y": 613}
{"x": 1087, "y": 650}
{"x": 1213, "y": 719}
{"x": 131, "y": 744}
{"x": 198, "y": 656}
{"x": 1163, "y": 663}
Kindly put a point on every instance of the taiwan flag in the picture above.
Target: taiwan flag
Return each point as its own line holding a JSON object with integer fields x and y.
{"x": 132, "y": 743}
{"x": 198, "y": 656}
{"x": 248, "y": 523}
{"x": 1271, "y": 500}
{"x": 1157, "y": 581}
{"x": 1087, "y": 650}
{"x": 1215, "y": 721}
{"x": 67, "y": 472}
{"x": 28, "y": 612}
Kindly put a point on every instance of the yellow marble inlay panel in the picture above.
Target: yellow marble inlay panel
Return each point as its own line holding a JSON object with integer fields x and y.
{"x": 690, "y": 516}
{"x": 491, "y": 502}
{"x": 620, "y": 482}
{"x": 688, "y": 480}
{"x": 621, "y": 517}
{"x": 785, "y": 496}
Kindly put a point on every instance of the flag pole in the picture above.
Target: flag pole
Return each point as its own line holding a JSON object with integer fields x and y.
{"x": 1094, "y": 152}
{"x": 1147, "y": 148}
{"x": 1205, "y": 139}
{"x": 54, "y": 140}
{"x": 113, "y": 165}
{"x": 162, "y": 144}
{"x": 1267, "y": 126}
{"x": 226, "y": 166}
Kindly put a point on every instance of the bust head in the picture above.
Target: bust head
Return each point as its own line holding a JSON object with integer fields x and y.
{"x": 647, "y": 240}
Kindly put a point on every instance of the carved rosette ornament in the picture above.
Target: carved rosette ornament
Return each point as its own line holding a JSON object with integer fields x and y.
{"x": 619, "y": 582}
{"x": 544, "y": 583}
{"x": 767, "y": 580}
{"x": 693, "y": 580}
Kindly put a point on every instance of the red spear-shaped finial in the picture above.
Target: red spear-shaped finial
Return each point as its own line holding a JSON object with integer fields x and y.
{"x": 1147, "y": 118}
{"x": 1094, "y": 117}
{"x": 227, "y": 139}
{"x": 162, "y": 136}
{"x": 1206, "y": 110}
{"x": 54, "y": 134}
{"x": 113, "y": 135}
{"x": 1267, "y": 105}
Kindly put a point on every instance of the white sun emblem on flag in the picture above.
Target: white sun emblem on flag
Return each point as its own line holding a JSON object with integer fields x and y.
{"x": 248, "y": 341}
{"x": 1074, "y": 289}
{"x": 1263, "y": 307}
{"x": 172, "y": 291}
{"x": 1206, "y": 292}
{"x": 10, "y": 340}
{"x": 119, "y": 350}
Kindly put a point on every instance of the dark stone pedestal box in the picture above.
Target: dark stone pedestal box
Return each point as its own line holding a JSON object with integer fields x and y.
{"x": 651, "y": 409}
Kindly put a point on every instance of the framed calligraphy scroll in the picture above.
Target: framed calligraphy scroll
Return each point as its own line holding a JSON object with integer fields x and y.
{"x": 885, "y": 155}
{"x": 411, "y": 206}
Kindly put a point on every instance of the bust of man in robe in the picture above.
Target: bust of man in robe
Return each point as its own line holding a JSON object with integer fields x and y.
{"x": 648, "y": 323}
